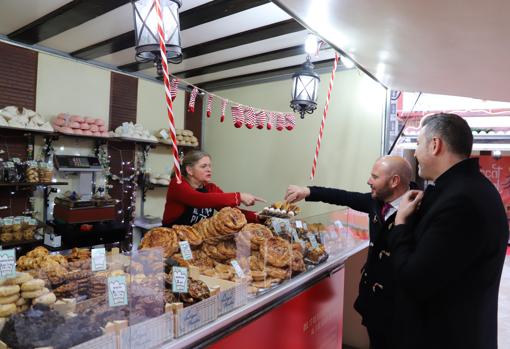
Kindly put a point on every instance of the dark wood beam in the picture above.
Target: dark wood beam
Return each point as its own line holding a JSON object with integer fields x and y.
{"x": 243, "y": 38}
{"x": 64, "y": 18}
{"x": 240, "y": 62}
{"x": 207, "y": 12}
{"x": 264, "y": 76}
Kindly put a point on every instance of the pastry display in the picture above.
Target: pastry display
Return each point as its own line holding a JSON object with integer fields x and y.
{"x": 281, "y": 209}
{"x": 276, "y": 251}
{"x": 184, "y": 138}
{"x": 133, "y": 131}
{"x": 165, "y": 238}
{"x": 78, "y": 125}
{"x": 18, "y": 117}
{"x": 189, "y": 234}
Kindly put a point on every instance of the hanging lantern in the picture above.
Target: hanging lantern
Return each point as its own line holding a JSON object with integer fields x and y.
{"x": 305, "y": 86}
{"x": 146, "y": 29}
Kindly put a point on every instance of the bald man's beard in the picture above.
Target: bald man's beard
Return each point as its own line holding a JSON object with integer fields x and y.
{"x": 383, "y": 193}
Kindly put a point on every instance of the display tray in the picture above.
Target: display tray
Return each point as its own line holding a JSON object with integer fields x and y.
{"x": 139, "y": 140}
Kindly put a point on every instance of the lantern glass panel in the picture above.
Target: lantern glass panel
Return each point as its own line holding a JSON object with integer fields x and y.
{"x": 305, "y": 88}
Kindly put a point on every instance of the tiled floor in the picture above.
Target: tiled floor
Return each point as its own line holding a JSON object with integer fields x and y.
{"x": 504, "y": 307}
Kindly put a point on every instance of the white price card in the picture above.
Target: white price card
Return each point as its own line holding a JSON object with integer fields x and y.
{"x": 98, "y": 257}
{"x": 164, "y": 134}
{"x": 299, "y": 224}
{"x": 117, "y": 291}
{"x": 339, "y": 224}
{"x": 237, "y": 268}
{"x": 7, "y": 263}
{"x": 305, "y": 227}
{"x": 52, "y": 240}
{"x": 179, "y": 280}
{"x": 313, "y": 240}
{"x": 276, "y": 226}
{"x": 294, "y": 234}
{"x": 185, "y": 250}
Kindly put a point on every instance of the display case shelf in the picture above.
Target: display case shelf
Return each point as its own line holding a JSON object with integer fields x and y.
{"x": 27, "y": 184}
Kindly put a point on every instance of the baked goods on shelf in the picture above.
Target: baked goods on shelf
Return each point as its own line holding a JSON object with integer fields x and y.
{"x": 19, "y": 117}
{"x": 281, "y": 209}
{"x": 80, "y": 125}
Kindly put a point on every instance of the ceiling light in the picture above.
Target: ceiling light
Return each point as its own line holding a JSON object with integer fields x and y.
{"x": 311, "y": 44}
{"x": 146, "y": 29}
{"x": 305, "y": 86}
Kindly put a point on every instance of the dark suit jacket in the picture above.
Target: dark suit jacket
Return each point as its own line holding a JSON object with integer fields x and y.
{"x": 448, "y": 264}
{"x": 375, "y": 301}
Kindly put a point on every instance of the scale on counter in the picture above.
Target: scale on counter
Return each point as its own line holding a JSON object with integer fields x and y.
{"x": 85, "y": 209}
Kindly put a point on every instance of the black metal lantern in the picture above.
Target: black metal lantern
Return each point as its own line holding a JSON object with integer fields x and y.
{"x": 146, "y": 29}
{"x": 305, "y": 86}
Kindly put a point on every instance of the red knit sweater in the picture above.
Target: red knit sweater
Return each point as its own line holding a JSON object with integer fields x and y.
{"x": 181, "y": 196}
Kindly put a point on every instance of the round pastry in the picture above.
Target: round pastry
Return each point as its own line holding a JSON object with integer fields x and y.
{"x": 7, "y": 309}
{"x": 48, "y": 299}
{"x": 38, "y": 252}
{"x": 8, "y": 290}
{"x": 258, "y": 275}
{"x": 189, "y": 234}
{"x": 32, "y": 285}
{"x": 297, "y": 264}
{"x": 161, "y": 237}
{"x": 21, "y": 301}
{"x": 19, "y": 279}
{"x": 277, "y": 273}
{"x": 227, "y": 249}
{"x": 198, "y": 289}
{"x": 276, "y": 251}
{"x": 232, "y": 219}
{"x": 35, "y": 294}
{"x": 9, "y": 299}
{"x": 259, "y": 233}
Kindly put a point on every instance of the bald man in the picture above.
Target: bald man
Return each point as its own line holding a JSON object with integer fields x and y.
{"x": 388, "y": 181}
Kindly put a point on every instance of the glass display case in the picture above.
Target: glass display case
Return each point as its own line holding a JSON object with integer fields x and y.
{"x": 179, "y": 280}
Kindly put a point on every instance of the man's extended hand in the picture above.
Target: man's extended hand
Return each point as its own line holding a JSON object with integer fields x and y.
{"x": 295, "y": 193}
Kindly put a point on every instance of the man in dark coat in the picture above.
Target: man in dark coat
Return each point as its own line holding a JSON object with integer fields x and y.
{"x": 448, "y": 246}
{"x": 389, "y": 180}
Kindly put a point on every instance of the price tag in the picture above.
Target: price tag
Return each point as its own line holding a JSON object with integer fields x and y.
{"x": 339, "y": 224}
{"x": 27, "y": 220}
{"x": 117, "y": 291}
{"x": 305, "y": 227}
{"x": 18, "y": 220}
{"x": 299, "y": 224}
{"x": 164, "y": 134}
{"x": 185, "y": 250}
{"x": 294, "y": 234}
{"x": 7, "y": 263}
{"x": 52, "y": 240}
{"x": 313, "y": 240}
{"x": 227, "y": 300}
{"x": 9, "y": 164}
{"x": 303, "y": 244}
{"x": 7, "y": 221}
{"x": 237, "y": 268}
{"x": 179, "y": 280}
{"x": 98, "y": 258}
{"x": 276, "y": 226}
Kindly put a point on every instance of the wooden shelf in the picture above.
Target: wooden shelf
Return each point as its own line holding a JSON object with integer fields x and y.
{"x": 26, "y": 184}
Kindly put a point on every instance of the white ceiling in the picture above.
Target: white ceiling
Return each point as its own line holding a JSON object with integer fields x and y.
{"x": 454, "y": 47}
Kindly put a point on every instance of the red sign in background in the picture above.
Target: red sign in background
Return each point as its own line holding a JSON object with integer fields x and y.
{"x": 311, "y": 320}
{"x": 498, "y": 172}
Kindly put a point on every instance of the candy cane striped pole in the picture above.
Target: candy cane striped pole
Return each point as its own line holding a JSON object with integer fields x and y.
{"x": 169, "y": 103}
{"x": 318, "y": 147}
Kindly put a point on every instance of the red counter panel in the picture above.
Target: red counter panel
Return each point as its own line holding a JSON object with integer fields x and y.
{"x": 311, "y": 320}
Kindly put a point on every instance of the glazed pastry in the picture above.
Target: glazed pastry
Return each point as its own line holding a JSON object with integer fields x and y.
{"x": 276, "y": 251}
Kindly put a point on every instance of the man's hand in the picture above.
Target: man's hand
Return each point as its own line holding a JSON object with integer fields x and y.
{"x": 250, "y": 199}
{"x": 295, "y": 193}
{"x": 409, "y": 204}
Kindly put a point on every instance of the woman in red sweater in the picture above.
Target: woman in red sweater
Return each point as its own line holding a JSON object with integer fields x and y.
{"x": 196, "y": 197}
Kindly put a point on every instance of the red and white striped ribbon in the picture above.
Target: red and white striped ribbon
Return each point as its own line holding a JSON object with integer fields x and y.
{"x": 237, "y": 115}
{"x": 209, "y": 105}
{"x": 192, "y": 99}
{"x": 249, "y": 116}
{"x": 223, "y": 108}
{"x": 290, "y": 121}
{"x": 326, "y": 107}
{"x": 174, "y": 88}
{"x": 261, "y": 119}
{"x": 271, "y": 120}
{"x": 169, "y": 103}
{"x": 280, "y": 121}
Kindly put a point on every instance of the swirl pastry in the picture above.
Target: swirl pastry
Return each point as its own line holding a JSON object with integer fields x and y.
{"x": 161, "y": 237}
{"x": 276, "y": 251}
{"x": 189, "y": 234}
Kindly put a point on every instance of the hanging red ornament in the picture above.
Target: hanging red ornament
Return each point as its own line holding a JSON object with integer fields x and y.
{"x": 192, "y": 98}
{"x": 261, "y": 119}
{"x": 249, "y": 116}
{"x": 174, "y": 87}
{"x": 271, "y": 120}
{"x": 237, "y": 115}
{"x": 290, "y": 121}
{"x": 223, "y": 107}
{"x": 209, "y": 105}
{"x": 280, "y": 121}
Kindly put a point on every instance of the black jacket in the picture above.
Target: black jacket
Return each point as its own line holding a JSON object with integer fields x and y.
{"x": 375, "y": 301}
{"x": 448, "y": 264}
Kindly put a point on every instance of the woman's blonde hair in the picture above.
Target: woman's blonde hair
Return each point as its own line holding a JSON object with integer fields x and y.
{"x": 191, "y": 158}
